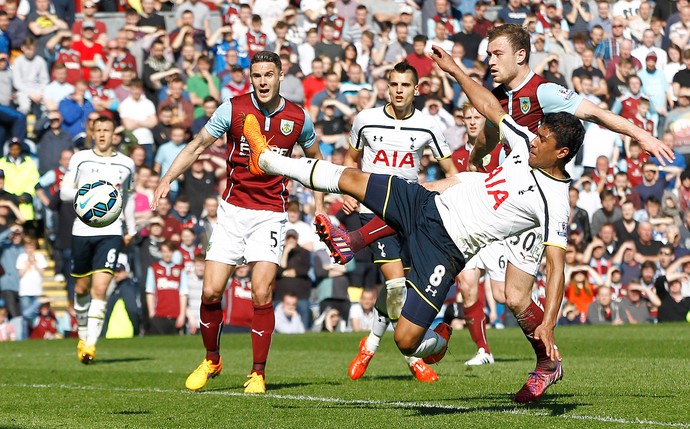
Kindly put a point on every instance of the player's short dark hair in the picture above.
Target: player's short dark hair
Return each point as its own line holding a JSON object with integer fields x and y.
{"x": 209, "y": 98}
{"x": 136, "y": 83}
{"x": 104, "y": 119}
{"x": 517, "y": 36}
{"x": 404, "y": 67}
{"x": 568, "y": 131}
{"x": 266, "y": 57}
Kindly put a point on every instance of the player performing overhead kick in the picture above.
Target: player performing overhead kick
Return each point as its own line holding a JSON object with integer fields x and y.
{"x": 527, "y": 97}
{"x": 443, "y": 231}
{"x": 251, "y": 217}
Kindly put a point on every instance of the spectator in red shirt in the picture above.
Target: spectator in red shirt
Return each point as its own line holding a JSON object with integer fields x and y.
{"x": 418, "y": 59}
{"x": 88, "y": 10}
{"x": 90, "y": 51}
{"x": 315, "y": 82}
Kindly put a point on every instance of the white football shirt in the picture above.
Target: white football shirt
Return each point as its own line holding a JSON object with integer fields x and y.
{"x": 511, "y": 199}
{"x": 396, "y": 146}
{"x": 86, "y": 167}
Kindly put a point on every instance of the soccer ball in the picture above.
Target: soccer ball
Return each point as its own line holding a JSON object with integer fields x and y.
{"x": 98, "y": 204}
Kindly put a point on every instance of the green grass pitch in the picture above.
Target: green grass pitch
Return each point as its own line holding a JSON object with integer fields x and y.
{"x": 629, "y": 376}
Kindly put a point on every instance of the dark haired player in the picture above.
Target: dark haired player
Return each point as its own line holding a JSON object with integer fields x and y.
{"x": 527, "y": 98}
{"x": 391, "y": 140}
{"x": 442, "y": 231}
{"x": 251, "y": 217}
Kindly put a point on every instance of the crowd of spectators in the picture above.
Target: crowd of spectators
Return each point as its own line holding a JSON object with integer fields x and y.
{"x": 64, "y": 63}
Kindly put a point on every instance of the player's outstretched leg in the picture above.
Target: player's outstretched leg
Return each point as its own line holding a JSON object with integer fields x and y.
{"x": 314, "y": 174}
{"x": 336, "y": 239}
{"x": 344, "y": 244}
{"x": 211, "y": 315}
{"x": 547, "y": 372}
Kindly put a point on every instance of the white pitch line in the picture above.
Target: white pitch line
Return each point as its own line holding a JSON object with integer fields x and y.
{"x": 393, "y": 404}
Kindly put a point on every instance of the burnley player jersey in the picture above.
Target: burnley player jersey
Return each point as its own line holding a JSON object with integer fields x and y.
{"x": 511, "y": 199}
{"x": 288, "y": 125}
{"x": 533, "y": 98}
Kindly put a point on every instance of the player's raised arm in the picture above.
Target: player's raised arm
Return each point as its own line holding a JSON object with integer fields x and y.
{"x": 482, "y": 99}
{"x": 182, "y": 162}
{"x": 588, "y": 111}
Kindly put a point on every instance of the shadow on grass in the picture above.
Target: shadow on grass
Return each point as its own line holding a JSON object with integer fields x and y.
{"x": 272, "y": 387}
{"x": 131, "y": 412}
{"x": 530, "y": 359}
{"x": 122, "y": 360}
{"x": 551, "y": 405}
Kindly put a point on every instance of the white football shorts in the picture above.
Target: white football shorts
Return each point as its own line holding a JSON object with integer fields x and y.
{"x": 242, "y": 236}
{"x": 523, "y": 251}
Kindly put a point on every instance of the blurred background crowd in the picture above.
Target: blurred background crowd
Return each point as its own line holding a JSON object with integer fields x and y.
{"x": 160, "y": 69}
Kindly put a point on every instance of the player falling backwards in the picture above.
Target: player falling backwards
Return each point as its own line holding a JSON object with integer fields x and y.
{"x": 95, "y": 250}
{"x": 391, "y": 140}
{"x": 251, "y": 217}
{"x": 442, "y": 231}
{"x": 527, "y": 97}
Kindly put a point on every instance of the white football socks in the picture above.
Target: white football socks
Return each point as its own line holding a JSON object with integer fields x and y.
{"x": 96, "y": 317}
{"x": 314, "y": 174}
{"x": 431, "y": 344}
{"x": 81, "y": 309}
{"x": 377, "y": 330}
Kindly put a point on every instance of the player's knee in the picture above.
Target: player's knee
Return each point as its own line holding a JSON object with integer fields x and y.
{"x": 516, "y": 301}
{"x": 406, "y": 344}
{"x": 212, "y": 294}
{"x": 499, "y": 295}
{"x": 262, "y": 297}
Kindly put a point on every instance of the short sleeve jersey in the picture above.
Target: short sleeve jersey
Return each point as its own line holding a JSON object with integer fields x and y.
{"x": 511, "y": 199}
{"x": 285, "y": 127}
{"x": 86, "y": 167}
{"x": 392, "y": 146}
{"x": 535, "y": 97}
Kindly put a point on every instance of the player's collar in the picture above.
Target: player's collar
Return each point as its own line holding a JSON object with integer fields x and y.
{"x": 565, "y": 179}
{"x": 524, "y": 82}
{"x": 280, "y": 108}
{"x": 385, "y": 112}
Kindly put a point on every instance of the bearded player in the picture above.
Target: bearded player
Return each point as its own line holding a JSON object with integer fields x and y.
{"x": 252, "y": 214}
